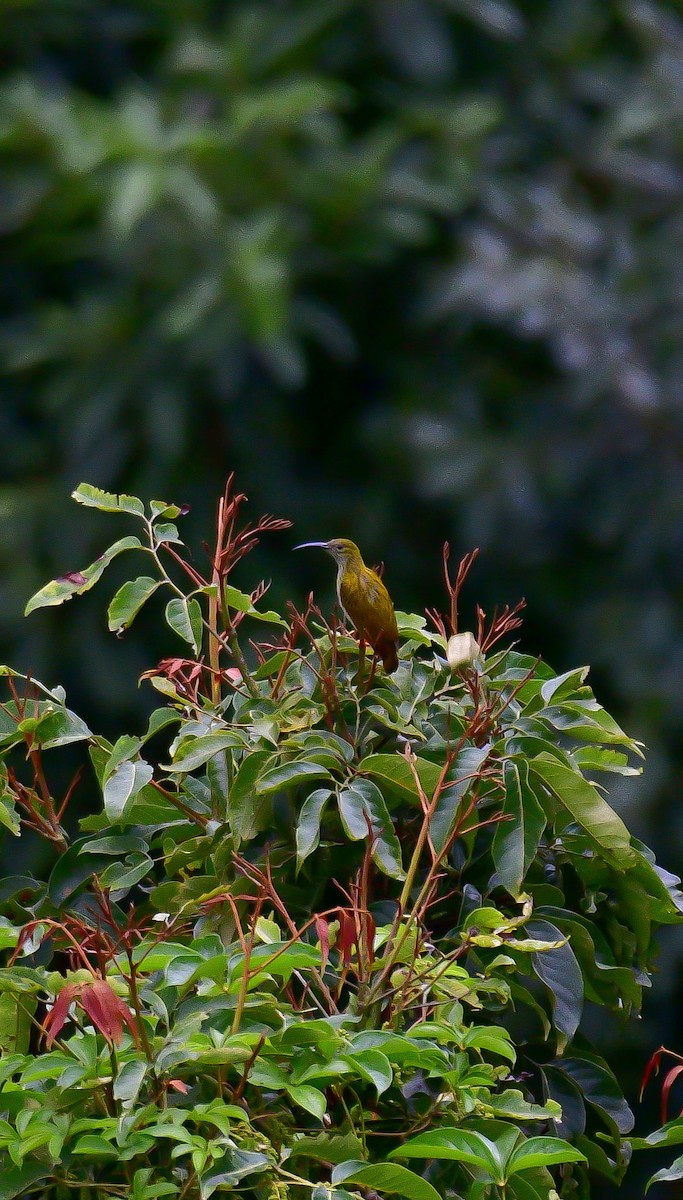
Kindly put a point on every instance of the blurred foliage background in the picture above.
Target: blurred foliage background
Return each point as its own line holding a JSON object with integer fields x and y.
{"x": 412, "y": 268}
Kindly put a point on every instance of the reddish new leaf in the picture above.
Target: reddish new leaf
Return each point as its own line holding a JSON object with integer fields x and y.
{"x": 669, "y": 1079}
{"x": 107, "y": 1011}
{"x": 651, "y": 1068}
{"x": 347, "y": 934}
{"x": 56, "y": 1018}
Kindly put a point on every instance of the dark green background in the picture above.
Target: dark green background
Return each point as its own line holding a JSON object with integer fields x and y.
{"x": 413, "y": 270}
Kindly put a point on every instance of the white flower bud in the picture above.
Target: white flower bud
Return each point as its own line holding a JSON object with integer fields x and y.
{"x": 462, "y": 650}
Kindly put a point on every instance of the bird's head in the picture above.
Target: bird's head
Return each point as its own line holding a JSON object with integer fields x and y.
{"x": 342, "y": 550}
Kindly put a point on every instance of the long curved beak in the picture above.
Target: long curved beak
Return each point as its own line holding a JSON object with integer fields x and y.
{"x": 304, "y": 545}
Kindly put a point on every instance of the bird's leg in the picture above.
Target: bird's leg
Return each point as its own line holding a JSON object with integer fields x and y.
{"x": 361, "y": 663}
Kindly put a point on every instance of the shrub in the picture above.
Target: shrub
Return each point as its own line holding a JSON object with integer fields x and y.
{"x": 322, "y": 932}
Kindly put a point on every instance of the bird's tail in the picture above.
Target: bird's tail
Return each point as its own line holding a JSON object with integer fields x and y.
{"x": 387, "y": 648}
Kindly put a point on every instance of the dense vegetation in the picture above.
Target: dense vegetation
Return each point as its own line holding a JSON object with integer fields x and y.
{"x": 323, "y": 932}
{"x": 451, "y": 227}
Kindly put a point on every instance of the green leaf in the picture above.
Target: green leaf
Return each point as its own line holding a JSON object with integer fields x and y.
{"x": 462, "y": 776}
{"x": 529, "y": 1187}
{"x": 288, "y": 775}
{"x": 158, "y": 720}
{"x": 561, "y": 686}
{"x": 123, "y": 785}
{"x": 308, "y": 827}
{"x": 542, "y": 1152}
{"x": 517, "y": 836}
{"x": 165, "y": 532}
{"x": 511, "y": 1103}
{"x": 598, "y": 758}
{"x": 373, "y": 1066}
{"x": 599, "y": 1088}
{"x": 327, "y": 1147}
{"x": 667, "y": 1174}
{"x": 238, "y": 600}
{"x": 51, "y": 726}
{"x": 129, "y": 1081}
{"x": 71, "y": 872}
{"x": 581, "y": 799}
{"x": 184, "y": 617}
{"x": 561, "y": 974}
{"x": 244, "y": 809}
{"x": 196, "y": 751}
{"x": 128, "y": 601}
{"x": 460, "y": 1145}
{"x": 9, "y": 817}
{"x": 412, "y": 627}
{"x": 670, "y": 1134}
{"x": 230, "y": 1170}
{"x": 119, "y": 844}
{"x": 395, "y": 776}
{"x": 495, "y": 1040}
{"x": 125, "y": 747}
{"x": 120, "y": 877}
{"x": 16, "y": 1012}
{"x": 362, "y": 810}
{"x": 14, "y": 1181}
{"x": 95, "y": 1147}
{"x": 77, "y": 582}
{"x": 94, "y": 497}
{"x": 586, "y": 720}
{"x": 309, "y": 1098}
{"x": 159, "y": 508}
{"x": 282, "y": 958}
{"x": 385, "y": 1177}
{"x": 241, "y": 602}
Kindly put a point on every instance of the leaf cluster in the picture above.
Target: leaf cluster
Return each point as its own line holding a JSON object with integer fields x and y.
{"x": 319, "y": 921}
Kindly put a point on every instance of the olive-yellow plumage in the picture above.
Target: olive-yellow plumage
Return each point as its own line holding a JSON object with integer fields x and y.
{"x": 364, "y": 598}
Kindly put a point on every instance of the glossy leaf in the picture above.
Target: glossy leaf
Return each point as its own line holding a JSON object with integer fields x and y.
{"x": 309, "y": 1098}
{"x": 245, "y": 813}
{"x": 123, "y": 785}
{"x": 16, "y": 1181}
{"x": 290, "y": 774}
{"x": 542, "y": 1152}
{"x": 512, "y": 1103}
{"x": 129, "y": 1081}
{"x": 460, "y": 1145}
{"x": 581, "y": 799}
{"x": 77, "y": 582}
{"x": 197, "y": 751}
{"x": 363, "y": 813}
{"x": 516, "y": 838}
{"x": 667, "y": 1174}
{"x": 308, "y": 826}
{"x": 599, "y": 1088}
{"x": 386, "y": 1178}
{"x": 461, "y": 778}
{"x": 128, "y": 601}
{"x": 94, "y": 497}
{"x": 185, "y": 618}
{"x": 241, "y": 602}
{"x": 373, "y": 1066}
{"x": 393, "y": 774}
{"x": 228, "y": 1172}
{"x": 561, "y": 974}
{"x": 120, "y": 877}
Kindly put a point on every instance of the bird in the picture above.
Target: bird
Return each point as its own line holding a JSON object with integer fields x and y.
{"x": 364, "y": 599}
